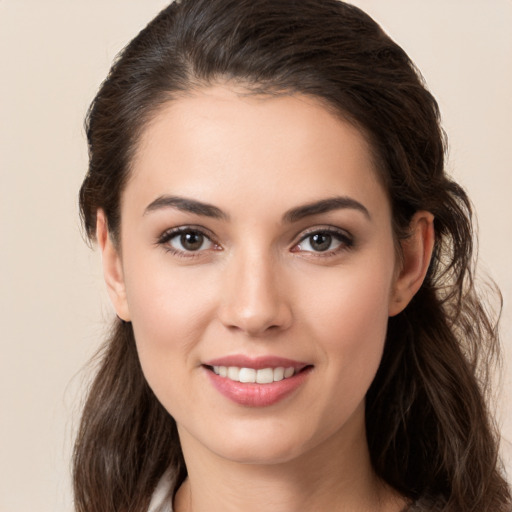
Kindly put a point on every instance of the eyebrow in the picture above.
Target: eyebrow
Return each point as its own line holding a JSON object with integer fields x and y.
{"x": 186, "y": 205}
{"x": 324, "y": 206}
{"x": 291, "y": 216}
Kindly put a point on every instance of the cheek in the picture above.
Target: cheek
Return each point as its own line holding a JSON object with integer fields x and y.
{"x": 350, "y": 325}
{"x": 170, "y": 315}
{"x": 350, "y": 318}
{"x": 365, "y": 311}
{"x": 170, "y": 308}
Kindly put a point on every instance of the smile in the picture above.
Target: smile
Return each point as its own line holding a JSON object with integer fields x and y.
{"x": 251, "y": 375}
{"x": 256, "y": 382}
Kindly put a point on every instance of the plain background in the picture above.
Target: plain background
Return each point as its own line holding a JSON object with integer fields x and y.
{"x": 53, "y": 307}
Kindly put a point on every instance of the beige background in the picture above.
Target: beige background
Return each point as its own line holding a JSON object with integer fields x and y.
{"x": 53, "y": 55}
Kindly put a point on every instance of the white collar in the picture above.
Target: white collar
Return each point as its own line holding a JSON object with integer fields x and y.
{"x": 161, "y": 501}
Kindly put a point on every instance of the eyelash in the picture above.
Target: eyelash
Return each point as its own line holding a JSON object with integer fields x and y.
{"x": 345, "y": 240}
{"x": 166, "y": 237}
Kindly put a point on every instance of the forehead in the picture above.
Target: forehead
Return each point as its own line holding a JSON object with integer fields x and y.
{"x": 221, "y": 143}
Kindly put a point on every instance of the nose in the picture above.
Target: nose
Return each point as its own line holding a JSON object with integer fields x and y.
{"x": 254, "y": 297}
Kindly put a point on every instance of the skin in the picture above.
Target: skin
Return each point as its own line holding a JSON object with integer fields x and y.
{"x": 260, "y": 287}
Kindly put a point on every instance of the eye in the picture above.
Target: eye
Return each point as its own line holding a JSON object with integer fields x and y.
{"x": 189, "y": 241}
{"x": 323, "y": 241}
{"x": 186, "y": 240}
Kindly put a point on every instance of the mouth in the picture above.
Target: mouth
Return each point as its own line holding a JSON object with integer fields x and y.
{"x": 255, "y": 376}
{"x": 257, "y": 382}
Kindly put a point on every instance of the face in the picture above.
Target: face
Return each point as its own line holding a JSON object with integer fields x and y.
{"x": 258, "y": 268}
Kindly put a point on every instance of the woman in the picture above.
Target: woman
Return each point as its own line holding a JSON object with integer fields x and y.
{"x": 291, "y": 269}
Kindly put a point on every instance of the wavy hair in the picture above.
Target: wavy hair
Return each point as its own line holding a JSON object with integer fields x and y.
{"x": 430, "y": 432}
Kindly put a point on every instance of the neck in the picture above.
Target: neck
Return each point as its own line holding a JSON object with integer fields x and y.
{"x": 315, "y": 480}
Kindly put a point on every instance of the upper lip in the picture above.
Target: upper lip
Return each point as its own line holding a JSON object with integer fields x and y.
{"x": 242, "y": 361}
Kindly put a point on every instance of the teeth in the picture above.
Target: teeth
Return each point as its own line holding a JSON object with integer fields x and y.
{"x": 278, "y": 374}
{"x": 262, "y": 376}
{"x": 265, "y": 376}
{"x": 247, "y": 375}
{"x": 288, "y": 372}
{"x": 234, "y": 373}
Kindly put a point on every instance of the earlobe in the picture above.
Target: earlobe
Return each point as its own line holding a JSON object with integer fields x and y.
{"x": 112, "y": 268}
{"x": 416, "y": 254}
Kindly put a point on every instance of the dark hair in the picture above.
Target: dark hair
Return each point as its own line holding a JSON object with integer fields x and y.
{"x": 429, "y": 430}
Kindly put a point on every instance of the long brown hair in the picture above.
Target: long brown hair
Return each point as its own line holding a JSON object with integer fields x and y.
{"x": 430, "y": 432}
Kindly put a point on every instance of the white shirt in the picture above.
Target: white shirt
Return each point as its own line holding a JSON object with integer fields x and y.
{"x": 161, "y": 500}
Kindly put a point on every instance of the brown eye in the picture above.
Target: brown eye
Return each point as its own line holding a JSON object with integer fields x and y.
{"x": 320, "y": 242}
{"x": 324, "y": 241}
{"x": 187, "y": 240}
{"x": 192, "y": 241}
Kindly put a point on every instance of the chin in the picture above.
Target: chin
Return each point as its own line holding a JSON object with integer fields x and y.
{"x": 263, "y": 443}
{"x": 260, "y": 454}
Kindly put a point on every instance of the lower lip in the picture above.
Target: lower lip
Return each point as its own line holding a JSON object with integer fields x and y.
{"x": 257, "y": 395}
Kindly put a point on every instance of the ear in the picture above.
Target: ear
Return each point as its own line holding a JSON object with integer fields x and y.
{"x": 416, "y": 253}
{"x": 112, "y": 267}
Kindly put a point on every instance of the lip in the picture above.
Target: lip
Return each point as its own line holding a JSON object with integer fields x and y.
{"x": 252, "y": 394}
{"x": 256, "y": 362}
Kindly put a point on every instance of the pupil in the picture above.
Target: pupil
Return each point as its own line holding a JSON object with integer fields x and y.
{"x": 192, "y": 241}
{"x": 321, "y": 242}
